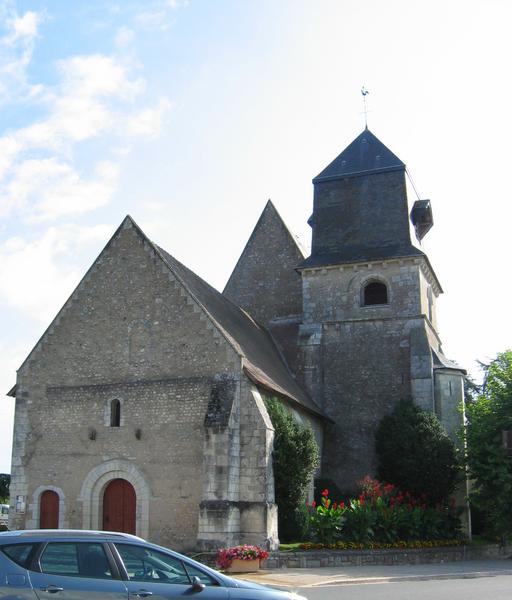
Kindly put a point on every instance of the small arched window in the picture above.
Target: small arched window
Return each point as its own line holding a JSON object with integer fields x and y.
{"x": 375, "y": 292}
{"x": 115, "y": 413}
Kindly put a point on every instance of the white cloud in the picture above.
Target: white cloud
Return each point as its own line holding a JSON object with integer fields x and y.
{"x": 149, "y": 121}
{"x": 37, "y": 276}
{"x": 24, "y": 26}
{"x": 159, "y": 14}
{"x": 16, "y": 49}
{"x": 48, "y": 189}
{"x": 38, "y": 177}
{"x": 174, "y": 4}
{"x": 157, "y": 19}
{"x": 124, "y": 37}
{"x": 97, "y": 75}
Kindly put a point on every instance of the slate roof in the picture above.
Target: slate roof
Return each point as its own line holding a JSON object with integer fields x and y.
{"x": 441, "y": 362}
{"x": 365, "y": 154}
{"x": 262, "y": 361}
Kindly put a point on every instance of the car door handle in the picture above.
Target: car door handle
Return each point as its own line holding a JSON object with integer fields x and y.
{"x": 143, "y": 593}
{"x": 52, "y": 589}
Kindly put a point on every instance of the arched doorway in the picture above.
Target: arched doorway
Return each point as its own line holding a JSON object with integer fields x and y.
{"x": 49, "y": 510}
{"x": 119, "y": 506}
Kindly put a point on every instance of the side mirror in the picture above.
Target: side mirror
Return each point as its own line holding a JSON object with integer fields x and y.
{"x": 197, "y": 586}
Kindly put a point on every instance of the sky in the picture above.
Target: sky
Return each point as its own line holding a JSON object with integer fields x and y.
{"x": 189, "y": 114}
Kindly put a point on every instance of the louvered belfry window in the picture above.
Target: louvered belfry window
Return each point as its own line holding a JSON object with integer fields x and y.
{"x": 375, "y": 293}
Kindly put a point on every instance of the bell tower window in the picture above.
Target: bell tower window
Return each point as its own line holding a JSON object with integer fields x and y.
{"x": 115, "y": 413}
{"x": 375, "y": 293}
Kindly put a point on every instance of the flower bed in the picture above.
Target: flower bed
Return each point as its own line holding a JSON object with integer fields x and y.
{"x": 383, "y": 516}
{"x": 340, "y": 545}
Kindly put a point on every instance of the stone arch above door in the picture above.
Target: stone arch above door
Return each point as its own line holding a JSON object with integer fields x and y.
{"x": 91, "y": 494}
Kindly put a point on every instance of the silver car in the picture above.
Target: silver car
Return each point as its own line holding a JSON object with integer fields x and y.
{"x": 99, "y": 565}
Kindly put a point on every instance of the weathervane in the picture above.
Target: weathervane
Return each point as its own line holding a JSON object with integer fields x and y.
{"x": 365, "y": 93}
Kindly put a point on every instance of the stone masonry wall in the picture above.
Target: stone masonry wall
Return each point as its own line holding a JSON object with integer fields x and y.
{"x": 264, "y": 281}
{"x": 358, "y": 358}
{"x": 131, "y": 332}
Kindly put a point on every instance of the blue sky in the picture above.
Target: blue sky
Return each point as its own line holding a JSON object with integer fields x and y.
{"x": 190, "y": 115}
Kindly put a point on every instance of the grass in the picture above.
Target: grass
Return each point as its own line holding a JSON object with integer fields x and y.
{"x": 290, "y": 547}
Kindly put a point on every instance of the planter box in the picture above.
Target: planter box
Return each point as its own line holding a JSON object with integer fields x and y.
{"x": 244, "y": 566}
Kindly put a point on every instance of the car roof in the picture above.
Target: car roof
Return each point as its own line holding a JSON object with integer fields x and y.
{"x": 63, "y": 533}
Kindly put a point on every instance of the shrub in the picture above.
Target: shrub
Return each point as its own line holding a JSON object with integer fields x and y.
{"x": 326, "y": 518}
{"x": 415, "y": 453}
{"x": 295, "y": 458}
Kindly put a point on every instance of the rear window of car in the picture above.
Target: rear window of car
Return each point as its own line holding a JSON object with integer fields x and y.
{"x": 18, "y": 553}
{"x": 80, "y": 559}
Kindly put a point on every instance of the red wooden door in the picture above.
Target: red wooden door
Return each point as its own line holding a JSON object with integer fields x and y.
{"x": 119, "y": 506}
{"x": 49, "y": 510}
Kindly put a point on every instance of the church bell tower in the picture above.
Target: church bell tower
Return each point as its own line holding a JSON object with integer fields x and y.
{"x": 369, "y": 334}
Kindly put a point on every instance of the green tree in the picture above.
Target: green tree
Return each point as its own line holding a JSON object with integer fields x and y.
{"x": 415, "y": 453}
{"x": 295, "y": 458}
{"x": 489, "y": 461}
{"x": 5, "y": 480}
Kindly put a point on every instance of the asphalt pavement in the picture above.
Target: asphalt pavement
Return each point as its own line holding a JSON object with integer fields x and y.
{"x": 303, "y": 578}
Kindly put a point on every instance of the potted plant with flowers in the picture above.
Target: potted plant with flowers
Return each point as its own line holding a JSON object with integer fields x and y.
{"x": 240, "y": 559}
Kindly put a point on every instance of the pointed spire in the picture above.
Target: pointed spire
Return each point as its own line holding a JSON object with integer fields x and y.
{"x": 365, "y": 154}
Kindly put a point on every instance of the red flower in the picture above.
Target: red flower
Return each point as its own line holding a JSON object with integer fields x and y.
{"x": 325, "y": 493}
{"x": 334, "y": 505}
{"x": 342, "y": 504}
{"x": 313, "y": 504}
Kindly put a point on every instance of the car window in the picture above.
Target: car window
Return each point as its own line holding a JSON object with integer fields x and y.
{"x": 204, "y": 577}
{"x": 19, "y": 553}
{"x": 75, "y": 559}
{"x": 146, "y": 564}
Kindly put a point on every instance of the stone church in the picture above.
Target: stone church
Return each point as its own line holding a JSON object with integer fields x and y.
{"x": 142, "y": 406}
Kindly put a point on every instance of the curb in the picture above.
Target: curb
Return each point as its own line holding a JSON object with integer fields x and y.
{"x": 374, "y": 580}
{"x": 398, "y": 578}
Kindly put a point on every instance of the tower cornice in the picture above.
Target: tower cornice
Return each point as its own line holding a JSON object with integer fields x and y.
{"x": 421, "y": 260}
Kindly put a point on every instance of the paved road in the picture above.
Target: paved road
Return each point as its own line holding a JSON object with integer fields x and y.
{"x": 309, "y": 578}
{"x": 498, "y": 587}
